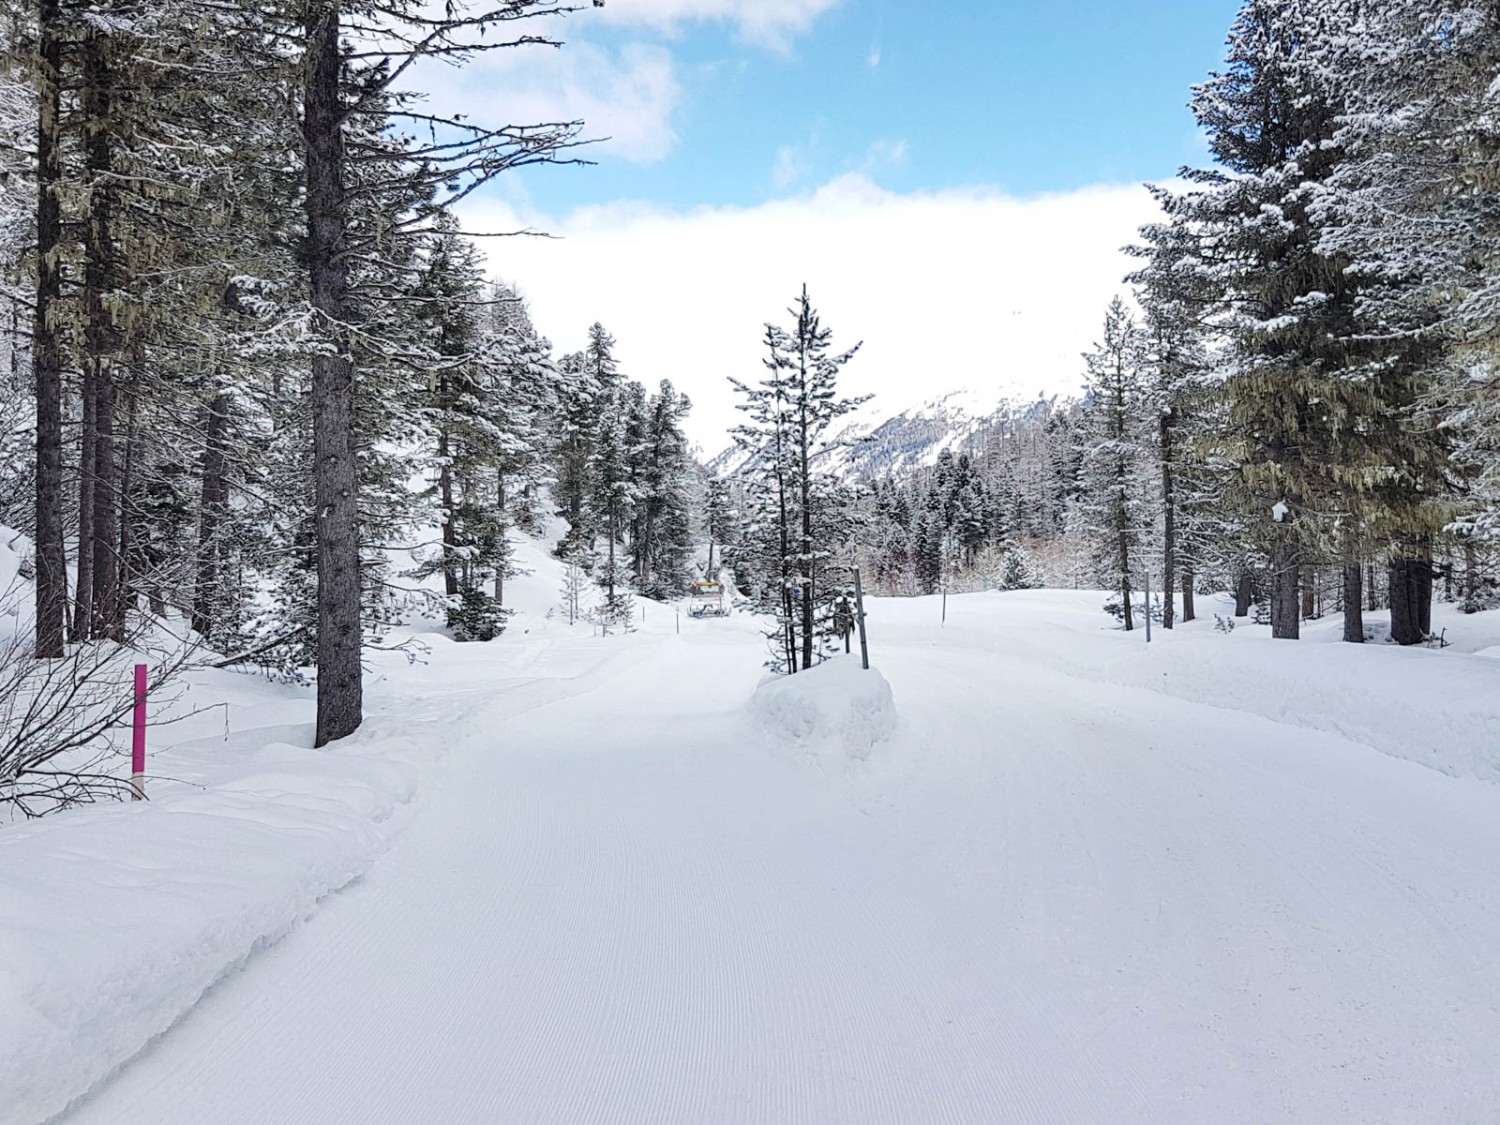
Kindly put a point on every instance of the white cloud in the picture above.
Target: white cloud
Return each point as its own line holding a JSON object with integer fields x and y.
{"x": 959, "y": 290}
{"x": 873, "y": 59}
{"x": 771, "y": 23}
{"x": 629, "y": 95}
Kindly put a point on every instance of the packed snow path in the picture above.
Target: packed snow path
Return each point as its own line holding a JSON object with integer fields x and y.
{"x": 1045, "y": 900}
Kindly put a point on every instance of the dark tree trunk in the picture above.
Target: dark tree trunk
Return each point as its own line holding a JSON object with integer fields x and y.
{"x": 1372, "y": 589}
{"x": 609, "y": 575}
{"x": 805, "y": 564}
{"x": 129, "y": 571}
{"x": 1354, "y": 618}
{"x": 1471, "y": 578}
{"x": 340, "y": 686}
{"x": 215, "y": 497}
{"x": 83, "y": 596}
{"x": 46, "y": 356}
{"x": 100, "y": 280}
{"x": 450, "y": 522}
{"x": 1422, "y": 576}
{"x": 1169, "y": 531}
{"x": 1309, "y": 594}
{"x": 1286, "y": 624}
{"x": 1411, "y": 581}
{"x": 106, "y": 507}
{"x": 1189, "y": 579}
{"x": 1406, "y": 627}
{"x": 1125, "y": 597}
{"x": 784, "y": 527}
{"x": 1244, "y": 594}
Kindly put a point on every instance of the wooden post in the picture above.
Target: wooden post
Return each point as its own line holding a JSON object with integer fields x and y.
{"x": 138, "y": 741}
{"x": 859, "y": 615}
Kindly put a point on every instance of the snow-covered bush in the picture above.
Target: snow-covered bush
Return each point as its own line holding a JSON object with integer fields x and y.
{"x": 1016, "y": 571}
{"x": 474, "y": 616}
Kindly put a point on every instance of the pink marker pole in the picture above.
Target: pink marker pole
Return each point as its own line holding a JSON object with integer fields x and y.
{"x": 138, "y": 743}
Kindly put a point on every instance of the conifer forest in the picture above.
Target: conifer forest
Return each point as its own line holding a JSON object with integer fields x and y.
{"x": 685, "y": 561}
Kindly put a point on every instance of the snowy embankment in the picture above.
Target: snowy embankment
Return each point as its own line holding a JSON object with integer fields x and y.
{"x": 834, "y": 713}
{"x": 1440, "y": 708}
{"x": 116, "y": 919}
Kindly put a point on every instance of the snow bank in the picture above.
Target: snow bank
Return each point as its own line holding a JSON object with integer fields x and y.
{"x": 117, "y": 918}
{"x": 1440, "y": 708}
{"x": 837, "y": 706}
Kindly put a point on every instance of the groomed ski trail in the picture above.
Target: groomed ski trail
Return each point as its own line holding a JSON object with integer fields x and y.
{"x": 1045, "y": 901}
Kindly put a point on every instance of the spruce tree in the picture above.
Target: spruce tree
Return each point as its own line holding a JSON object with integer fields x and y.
{"x": 800, "y": 518}
{"x": 1112, "y": 511}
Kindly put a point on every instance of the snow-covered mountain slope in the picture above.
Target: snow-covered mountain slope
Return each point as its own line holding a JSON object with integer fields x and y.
{"x": 873, "y": 445}
{"x": 1080, "y": 880}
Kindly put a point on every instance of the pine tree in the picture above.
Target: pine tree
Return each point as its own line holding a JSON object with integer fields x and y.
{"x": 800, "y": 517}
{"x": 661, "y": 538}
{"x": 1112, "y": 512}
{"x": 720, "y": 519}
{"x": 613, "y": 495}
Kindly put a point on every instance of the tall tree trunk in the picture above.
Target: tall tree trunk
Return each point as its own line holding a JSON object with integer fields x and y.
{"x": 1286, "y": 623}
{"x": 126, "y": 553}
{"x": 1309, "y": 593}
{"x": 100, "y": 283}
{"x": 340, "y": 686}
{"x": 1372, "y": 589}
{"x": 1354, "y": 618}
{"x": 1406, "y": 628}
{"x": 106, "y": 506}
{"x": 46, "y": 356}
{"x": 450, "y": 522}
{"x": 1244, "y": 594}
{"x": 609, "y": 575}
{"x": 784, "y": 530}
{"x": 211, "y": 512}
{"x": 83, "y": 597}
{"x": 805, "y": 563}
{"x": 1189, "y": 580}
{"x": 1422, "y": 576}
{"x": 1169, "y": 524}
{"x": 1122, "y": 531}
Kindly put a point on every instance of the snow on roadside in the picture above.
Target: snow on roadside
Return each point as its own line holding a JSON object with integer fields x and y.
{"x": 835, "y": 713}
{"x": 1437, "y": 708}
{"x": 118, "y": 917}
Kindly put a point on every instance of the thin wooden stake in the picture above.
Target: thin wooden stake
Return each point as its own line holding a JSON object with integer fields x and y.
{"x": 859, "y": 614}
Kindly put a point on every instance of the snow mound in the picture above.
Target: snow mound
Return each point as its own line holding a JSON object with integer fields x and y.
{"x": 835, "y": 706}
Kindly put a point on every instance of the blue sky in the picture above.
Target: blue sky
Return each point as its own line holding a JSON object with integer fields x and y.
{"x": 1025, "y": 97}
{"x": 954, "y": 181}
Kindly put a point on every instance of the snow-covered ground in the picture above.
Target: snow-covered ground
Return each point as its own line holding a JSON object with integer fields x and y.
{"x": 1039, "y": 873}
